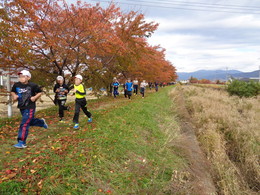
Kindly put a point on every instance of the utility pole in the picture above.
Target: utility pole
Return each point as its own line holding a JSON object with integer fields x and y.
{"x": 226, "y": 74}
{"x": 9, "y": 100}
{"x": 8, "y": 81}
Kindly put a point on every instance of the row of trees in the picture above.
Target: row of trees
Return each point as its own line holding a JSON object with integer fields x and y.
{"x": 50, "y": 37}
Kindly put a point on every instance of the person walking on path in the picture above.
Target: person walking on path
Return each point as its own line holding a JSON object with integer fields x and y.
{"x": 124, "y": 87}
{"x": 26, "y": 93}
{"x": 61, "y": 90}
{"x": 156, "y": 85}
{"x": 80, "y": 101}
{"x": 142, "y": 87}
{"x": 135, "y": 83}
{"x": 115, "y": 85}
{"x": 129, "y": 88}
{"x": 150, "y": 85}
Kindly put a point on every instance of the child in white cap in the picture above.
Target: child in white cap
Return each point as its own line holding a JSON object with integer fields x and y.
{"x": 80, "y": 101}
{"x": 27, "y": 93}
{"x": 61, "y": 90}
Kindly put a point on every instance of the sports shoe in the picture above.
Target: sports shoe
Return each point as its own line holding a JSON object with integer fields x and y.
{"x": 89, "y": 120}
{"x": 76, "y": 126}
{"x": 61, "y": 120}
{"x": 20, "y": 144}
{"x": 45, "y": 126}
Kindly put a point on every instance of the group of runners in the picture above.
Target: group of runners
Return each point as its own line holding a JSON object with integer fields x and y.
{"x": 27, "y": 93}
{"x": 131, "y": 87}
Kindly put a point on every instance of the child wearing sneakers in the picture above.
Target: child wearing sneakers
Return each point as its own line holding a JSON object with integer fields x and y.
{"x": 61, "y": 90}
{"x": 142, "y": 87}
{"x": 80, "y": 101}
{"x": 27, "y": 94}
{"x": 129, "y": 88}
{"x": 115, "y": 85}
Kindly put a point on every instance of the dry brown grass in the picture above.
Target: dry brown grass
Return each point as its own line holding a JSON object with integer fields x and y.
{"x": 228, "y": 130}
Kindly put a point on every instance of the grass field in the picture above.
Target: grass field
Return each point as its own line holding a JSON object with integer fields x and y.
{"x": 228, "y": 129}
{"x": 126, "y": 150}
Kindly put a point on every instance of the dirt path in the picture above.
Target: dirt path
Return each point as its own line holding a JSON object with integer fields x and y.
{"x": 199, "y": 167}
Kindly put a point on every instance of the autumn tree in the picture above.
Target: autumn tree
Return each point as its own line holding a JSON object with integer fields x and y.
{"x": 50, "y": 38}
{"x": 14, "y": 50}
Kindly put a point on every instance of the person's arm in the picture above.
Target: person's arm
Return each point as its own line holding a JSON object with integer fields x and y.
{"x": 81, "y": 92}
{"x": 37, "y": 91}
{"x": 66, "y": 89}
{"x": 14, "y": 96}
{"x": 36, "y": 97}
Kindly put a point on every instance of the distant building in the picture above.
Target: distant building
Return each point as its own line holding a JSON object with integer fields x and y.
{"x": 255, "y": 79}
{"x": 184, "y": 81}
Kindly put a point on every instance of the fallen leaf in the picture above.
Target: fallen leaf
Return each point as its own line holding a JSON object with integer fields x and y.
{"x": 32, "y": 171}
{"x": 39, "y": 184}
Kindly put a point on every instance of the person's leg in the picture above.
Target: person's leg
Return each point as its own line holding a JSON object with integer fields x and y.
{"x": 83, "y": 105}
{"x": 142, "y": 91}
{"x": 129, "y": 94}
{"x": 27, "y": 116}
{"x": 117, "y": 93}
{"x": 136, "y": 89}
{"x": 61, "y": 113}
{"x": 114, "y": 92}
{"x": 85, "y": 110}
{"x": 76, "y": 114}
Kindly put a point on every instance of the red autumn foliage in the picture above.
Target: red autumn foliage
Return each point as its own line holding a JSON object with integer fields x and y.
{"x": 51, "y": 38}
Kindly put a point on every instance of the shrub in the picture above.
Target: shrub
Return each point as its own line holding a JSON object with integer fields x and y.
{"x": 244, "y": 89}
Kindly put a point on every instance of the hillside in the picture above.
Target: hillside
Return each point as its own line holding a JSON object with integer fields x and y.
{"x": 216, "y": 74}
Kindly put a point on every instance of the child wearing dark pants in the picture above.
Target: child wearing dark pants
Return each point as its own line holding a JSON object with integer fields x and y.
{"x": 61, "y": 90}
{"x": 142, "y": 88}
{"x": 129, "y": 88}
{"x": 80, "y": 101}
{"x": 115, "y": 85}
{"x": 26, "y": 93}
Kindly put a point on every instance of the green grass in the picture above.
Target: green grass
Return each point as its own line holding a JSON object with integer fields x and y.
{"x": 126, "y": 150}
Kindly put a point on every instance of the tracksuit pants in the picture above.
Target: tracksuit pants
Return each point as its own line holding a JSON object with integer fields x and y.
{"x": 136, "y": 89}
{"x": 115, "y": 91}
{"x": 142, "y": 90}
{"x": 62, "y": 107}
{"x": 27, "y": 121}
{"x": 80, "y": 103}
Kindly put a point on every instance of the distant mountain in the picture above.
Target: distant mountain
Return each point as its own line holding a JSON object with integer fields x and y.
{"x": 216, "y": 74}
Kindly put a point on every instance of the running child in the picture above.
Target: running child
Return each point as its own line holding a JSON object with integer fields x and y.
{"x": 135, "y": 83}
{"x": 26, "y": 93}
{"x": 129, "y": 88}
{"x": 115, "y": 85}
{"x": 156, "y": 84}
{"x": 80, "y": 101}
{"x": 61, "y": 90}
{"x": 142, "y": 87}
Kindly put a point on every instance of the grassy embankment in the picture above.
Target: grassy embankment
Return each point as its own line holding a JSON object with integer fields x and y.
{"x": 228, "y": 130}
{"x": 127, "y": 149}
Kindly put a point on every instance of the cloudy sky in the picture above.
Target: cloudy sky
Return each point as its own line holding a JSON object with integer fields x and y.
{"x": 203, "y": 34}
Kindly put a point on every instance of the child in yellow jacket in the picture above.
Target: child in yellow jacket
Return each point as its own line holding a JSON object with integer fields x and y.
{"x": 80, "y": 101}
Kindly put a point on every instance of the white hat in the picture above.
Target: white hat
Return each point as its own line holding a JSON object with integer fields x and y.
{"x": 60, "y": 78}
{"x": 25, "y": 73}
{"x": 79, "y": 77}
